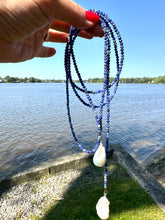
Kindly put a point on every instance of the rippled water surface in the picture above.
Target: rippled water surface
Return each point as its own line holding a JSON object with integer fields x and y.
{"x": 34, "y": 125}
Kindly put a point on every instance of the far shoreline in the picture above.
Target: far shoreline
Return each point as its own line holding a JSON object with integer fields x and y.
{"x": 137, "y": 80}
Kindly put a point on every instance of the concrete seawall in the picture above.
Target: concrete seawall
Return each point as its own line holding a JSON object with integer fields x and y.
{"x": 82, "y": 160}
{"x": 155, "y": 164}
{"x": 73, "y": 161}
{"x": 143, "y": 177}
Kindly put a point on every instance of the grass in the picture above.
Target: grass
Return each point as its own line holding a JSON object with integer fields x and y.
{"x": 128, "y": 200}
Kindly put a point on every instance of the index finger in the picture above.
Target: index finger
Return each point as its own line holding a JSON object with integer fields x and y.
{"x": 65, "y": 27}
{"x": 70, "y": 12}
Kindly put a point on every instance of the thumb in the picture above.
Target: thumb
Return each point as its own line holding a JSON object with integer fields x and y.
{"x": 70, "y": 12}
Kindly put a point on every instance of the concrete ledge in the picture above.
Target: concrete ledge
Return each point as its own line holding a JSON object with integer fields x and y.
{"x": 78, "y": 160}
{"x": 155, "y": 157}
{"x": 144, "y": 178}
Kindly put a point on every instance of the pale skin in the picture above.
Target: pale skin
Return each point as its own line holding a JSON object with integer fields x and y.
{"x": 24, "y": 25}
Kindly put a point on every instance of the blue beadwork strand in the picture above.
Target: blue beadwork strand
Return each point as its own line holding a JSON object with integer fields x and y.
{"x": 111, "y": 36}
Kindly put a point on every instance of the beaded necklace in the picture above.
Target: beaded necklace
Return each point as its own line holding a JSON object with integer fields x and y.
{"x": 100, "y": 158}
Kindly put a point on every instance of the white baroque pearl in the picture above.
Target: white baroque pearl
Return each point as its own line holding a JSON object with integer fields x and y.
{"x": 99, "y": 158}
{"x": 102, "y": 208}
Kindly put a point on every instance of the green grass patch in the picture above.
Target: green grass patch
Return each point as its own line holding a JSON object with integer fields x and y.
{"x": 128, "y": 200}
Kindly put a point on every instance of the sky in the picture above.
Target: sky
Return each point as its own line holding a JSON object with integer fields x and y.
{"x": 142, "y": 27}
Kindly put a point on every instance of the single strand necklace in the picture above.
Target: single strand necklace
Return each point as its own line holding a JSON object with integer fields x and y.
{"x": 107, "y": 93}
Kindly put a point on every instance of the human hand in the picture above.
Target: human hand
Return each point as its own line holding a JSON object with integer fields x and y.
{"x": 24, "y": 26}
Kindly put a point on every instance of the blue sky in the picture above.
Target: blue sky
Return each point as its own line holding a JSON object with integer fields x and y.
{"x": 142, "y": 27}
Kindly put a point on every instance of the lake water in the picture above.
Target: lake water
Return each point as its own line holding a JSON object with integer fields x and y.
{"x": 34, "y": 125}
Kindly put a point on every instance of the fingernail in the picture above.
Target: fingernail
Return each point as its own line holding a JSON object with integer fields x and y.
{"x": 91, "y": 16}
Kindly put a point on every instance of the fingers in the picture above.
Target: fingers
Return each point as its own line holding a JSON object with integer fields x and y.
{"x": 59, "y": 32}
{"x": 70, "y": 12}
{"x": 88, "y": 33}
{"x": 65, "y": 27}
{"x": 46, "y": 52}
{"x": 84, "y": 34}
{"x": 96, "y": 31}
{"x": 56, "y": 36}
{"x": 61, "y": 26}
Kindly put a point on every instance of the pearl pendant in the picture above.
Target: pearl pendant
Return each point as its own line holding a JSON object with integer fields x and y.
{"x": 102, "y": 208}
{"x": 99, "y": 158}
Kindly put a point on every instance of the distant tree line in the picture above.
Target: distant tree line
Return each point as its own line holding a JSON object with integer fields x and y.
{"x": 153, "y": 80}
{"x": 9, "y": 79}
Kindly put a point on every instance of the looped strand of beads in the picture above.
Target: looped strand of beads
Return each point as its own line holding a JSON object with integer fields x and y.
{"x": 111, "y": 34}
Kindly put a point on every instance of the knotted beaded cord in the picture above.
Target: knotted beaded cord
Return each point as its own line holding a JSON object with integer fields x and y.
{"x": 109, "y": 30}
